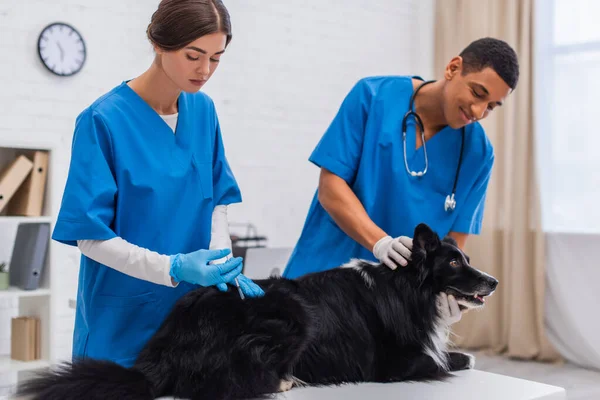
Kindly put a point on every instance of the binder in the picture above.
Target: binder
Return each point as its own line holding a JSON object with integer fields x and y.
{"x": 29, "y": 255}
{"x": 12, "y": 177}
{"x": 29, "y": 198}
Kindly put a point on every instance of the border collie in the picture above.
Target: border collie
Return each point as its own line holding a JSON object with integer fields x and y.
{"x": 361, "y": 323}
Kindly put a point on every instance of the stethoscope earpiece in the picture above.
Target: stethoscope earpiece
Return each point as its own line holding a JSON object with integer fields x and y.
{"x": 450, "y": 203}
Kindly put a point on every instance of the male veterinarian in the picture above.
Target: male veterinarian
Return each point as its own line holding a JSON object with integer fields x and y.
{"x": 377, "y": 184}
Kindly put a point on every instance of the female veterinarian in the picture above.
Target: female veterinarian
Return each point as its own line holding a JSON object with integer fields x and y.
{"x": 401, "y": 151}
{"x": 147, "y": 189}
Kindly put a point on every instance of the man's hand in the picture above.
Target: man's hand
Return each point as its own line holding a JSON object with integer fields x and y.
{"x": 392, "y": 251}
{"x": 448, "y": 309}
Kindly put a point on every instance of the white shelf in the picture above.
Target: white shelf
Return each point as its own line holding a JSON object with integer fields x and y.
{"x": 16, "y": 292}
{"x": 19, "y": 219}
{"x": 37, "y": 303}
{"x": 9, "y": 365}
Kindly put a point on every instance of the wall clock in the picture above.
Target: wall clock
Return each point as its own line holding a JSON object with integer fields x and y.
{"x": 61, "y": 49}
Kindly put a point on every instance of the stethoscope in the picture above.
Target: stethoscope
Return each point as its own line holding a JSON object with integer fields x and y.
{"x": 450, "y": 203}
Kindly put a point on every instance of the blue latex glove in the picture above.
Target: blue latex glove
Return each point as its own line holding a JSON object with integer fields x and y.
{"x": 195, "y": 267}
{"x": 248, "y": 287}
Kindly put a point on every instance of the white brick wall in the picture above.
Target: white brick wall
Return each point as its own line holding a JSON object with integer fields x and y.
{"x": 40, "y": 107}
{"x": 289, "y": 66}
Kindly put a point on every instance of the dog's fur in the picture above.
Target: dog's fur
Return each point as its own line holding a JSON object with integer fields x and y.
{"x": 364, "y": 322}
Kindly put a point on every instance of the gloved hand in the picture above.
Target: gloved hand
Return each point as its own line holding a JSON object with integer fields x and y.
{"x": 195, "y": 267}
{"x": 392, "y": 251}
{"x": 248, "y": 287}
{"x": 448, "y": 309}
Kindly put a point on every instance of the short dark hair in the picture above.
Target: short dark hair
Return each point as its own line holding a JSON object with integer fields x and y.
{"x": 494, "y": 53}
{"x": 176, "y": 23}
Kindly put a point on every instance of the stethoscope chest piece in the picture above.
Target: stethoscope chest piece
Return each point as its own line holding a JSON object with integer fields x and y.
{"x": 450, "y": 203}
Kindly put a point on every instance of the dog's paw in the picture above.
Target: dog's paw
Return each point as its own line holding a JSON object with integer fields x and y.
{"x": 471, "y": 358}
{"x": 460, "y": 361}
{"x": 285, "y": 385}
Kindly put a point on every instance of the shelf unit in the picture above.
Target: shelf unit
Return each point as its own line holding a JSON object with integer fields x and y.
{"x": 16, "y": 293}
{"x": 37, "y": 302}
{"x": 8, "y": 365}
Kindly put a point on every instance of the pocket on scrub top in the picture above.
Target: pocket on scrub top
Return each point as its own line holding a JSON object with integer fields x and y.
{"x": 205, "y": 175}
{"x": 386, "y": 138}
{"x": 120, "y": 325}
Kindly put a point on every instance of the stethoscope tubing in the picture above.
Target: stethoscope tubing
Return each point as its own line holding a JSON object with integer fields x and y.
{"x": 450, "y": 200}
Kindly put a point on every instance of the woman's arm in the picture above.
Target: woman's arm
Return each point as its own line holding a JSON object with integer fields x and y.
{"x": 219, "y": 234}
{"x": 129, "y": 259}
{"x": 145, "y": 264}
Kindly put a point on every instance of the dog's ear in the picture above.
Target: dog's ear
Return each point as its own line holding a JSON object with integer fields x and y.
{"x": 450, "y": 240}
{"x": 425, "y": 238}
{"x": 425, "y": 241}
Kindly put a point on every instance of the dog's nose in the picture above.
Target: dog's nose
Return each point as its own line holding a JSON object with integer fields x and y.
{"x": 493, "y": 283}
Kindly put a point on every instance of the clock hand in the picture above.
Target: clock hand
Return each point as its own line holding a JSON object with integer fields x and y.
{"x": 62, "y": 53}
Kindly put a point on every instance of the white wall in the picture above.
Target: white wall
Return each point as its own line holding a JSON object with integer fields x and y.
{"x": 289, "y": 66}
{"x": 282, "y": 80}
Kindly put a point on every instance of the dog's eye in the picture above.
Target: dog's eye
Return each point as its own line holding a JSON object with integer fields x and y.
{"x": 454, "y": 263}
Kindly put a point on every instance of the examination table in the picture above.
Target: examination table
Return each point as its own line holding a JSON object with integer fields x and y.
{"x": 467, "y": 385}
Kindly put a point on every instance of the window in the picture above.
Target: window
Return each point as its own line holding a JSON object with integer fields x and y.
{"x": 567, "y": 113}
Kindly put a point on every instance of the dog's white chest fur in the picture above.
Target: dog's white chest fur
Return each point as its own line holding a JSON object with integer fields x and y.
{"x": 438, "y": 337}
{"x": 436, "y": 349}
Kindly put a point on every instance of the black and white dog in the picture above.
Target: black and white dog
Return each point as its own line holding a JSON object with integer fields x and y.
{"x": 361, "y": 323}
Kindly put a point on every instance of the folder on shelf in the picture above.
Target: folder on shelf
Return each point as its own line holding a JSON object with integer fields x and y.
{"x": 29, "y": 254}
{"x": 13, "y": 176}
{"x": 28, "y": 200}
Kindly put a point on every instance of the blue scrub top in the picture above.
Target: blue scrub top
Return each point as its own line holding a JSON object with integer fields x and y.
{"x": 363, "y": 146}
{"x": 131, "y": 177}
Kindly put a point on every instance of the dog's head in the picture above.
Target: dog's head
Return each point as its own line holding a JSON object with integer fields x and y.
{"x": 449, "y": 270}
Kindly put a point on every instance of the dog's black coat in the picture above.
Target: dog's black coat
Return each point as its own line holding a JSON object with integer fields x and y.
{"x": 345, "y": 325}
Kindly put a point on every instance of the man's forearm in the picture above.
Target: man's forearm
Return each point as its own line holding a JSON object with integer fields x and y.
{"x": 461, "y": 238}
{"x": 338, "y": 199}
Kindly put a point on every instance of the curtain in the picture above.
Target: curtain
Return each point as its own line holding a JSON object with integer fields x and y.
{"x": 511, "y": 246}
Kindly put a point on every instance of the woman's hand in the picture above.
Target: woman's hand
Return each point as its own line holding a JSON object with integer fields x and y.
{"x": 196, "y": 268}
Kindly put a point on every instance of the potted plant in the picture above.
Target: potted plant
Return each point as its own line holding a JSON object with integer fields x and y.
{"x": 3, "y": 276}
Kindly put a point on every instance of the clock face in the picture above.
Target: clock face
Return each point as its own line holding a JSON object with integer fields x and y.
{"x": 62, "y": 49}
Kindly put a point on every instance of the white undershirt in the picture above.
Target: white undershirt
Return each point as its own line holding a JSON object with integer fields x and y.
{"x": 171, "y": 120}
{"x": 143, "y": 263}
